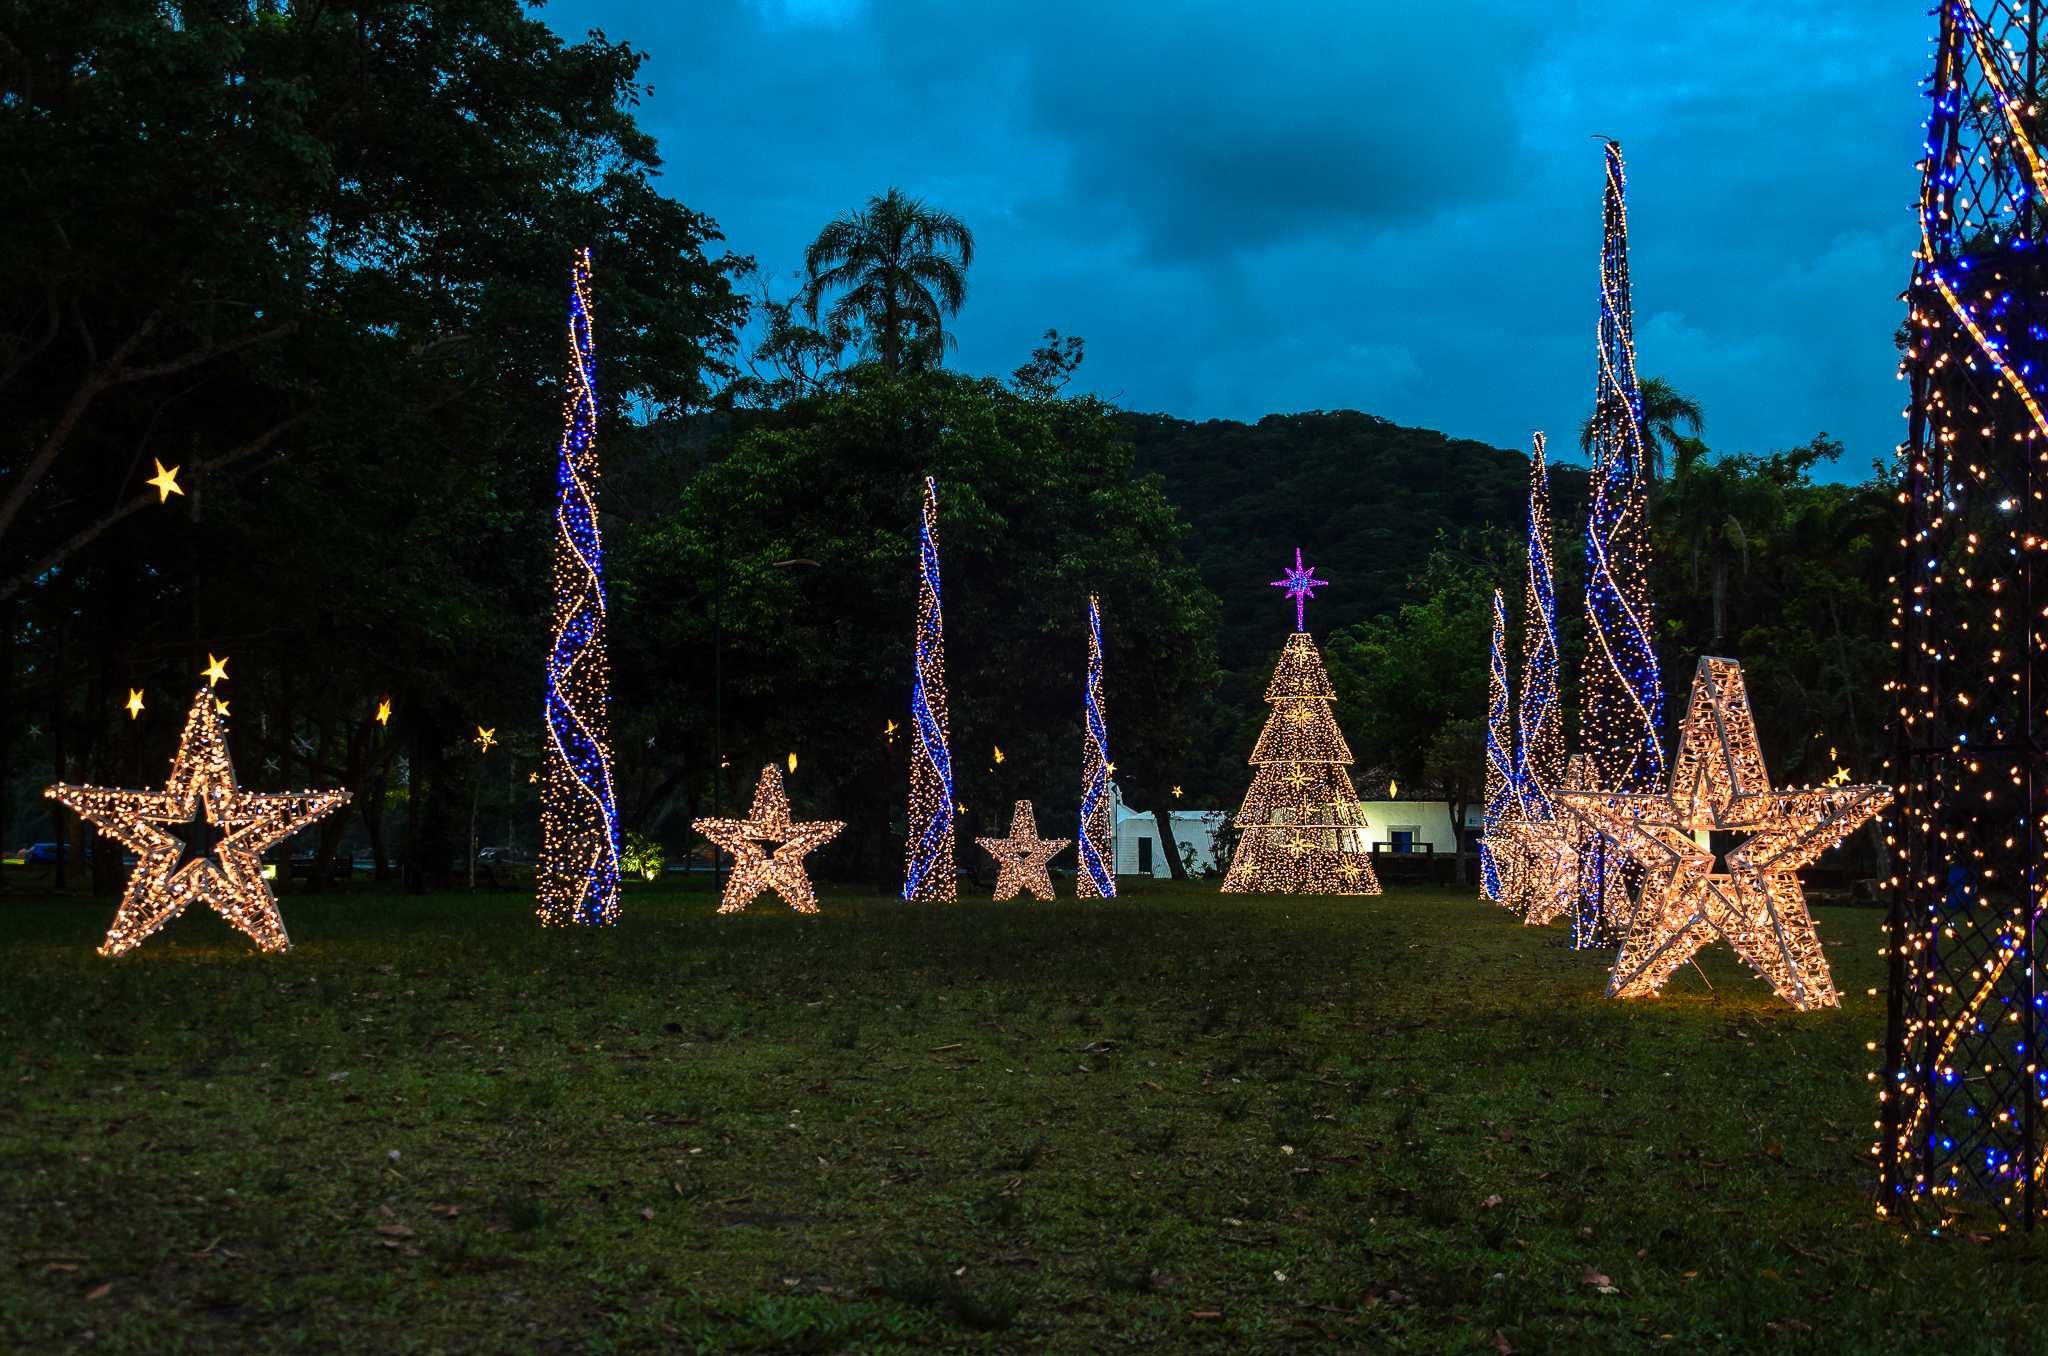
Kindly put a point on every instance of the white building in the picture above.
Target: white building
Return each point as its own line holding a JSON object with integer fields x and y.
{"x": 1406, "y": 825}
{"x": 1391, "y": 826}
{"x": 1137, "y": 839}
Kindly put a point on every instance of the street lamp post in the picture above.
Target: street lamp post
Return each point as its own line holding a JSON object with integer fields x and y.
{"x": 718, "y": 681}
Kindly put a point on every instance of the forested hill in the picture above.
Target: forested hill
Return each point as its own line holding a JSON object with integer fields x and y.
{"x": 1363, "y": 497}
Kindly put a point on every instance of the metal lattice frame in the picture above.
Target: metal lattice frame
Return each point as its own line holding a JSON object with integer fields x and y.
{"x": 1961, "y": 1124}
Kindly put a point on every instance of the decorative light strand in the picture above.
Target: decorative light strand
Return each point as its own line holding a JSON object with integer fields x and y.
{"x": 1718, "y": 784}
{"x": 1961, "y": 1097}
{"x": 1500, "y": 770}
{"x": 1543, "y": 865}
{"x": 199, "y": 840}
{"x": 754, "y": 871}
{"x": 1301, "y": 830}
{"x": 1021, "y": 859}
{"x": 928, "y": 871}
{"x": 1621, "y": 694}
{"x": 1096, "y": 847}
{"x": 579, "y": 856}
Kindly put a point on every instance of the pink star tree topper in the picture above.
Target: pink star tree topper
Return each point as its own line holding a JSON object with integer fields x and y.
{"x": 1300, "y": 583}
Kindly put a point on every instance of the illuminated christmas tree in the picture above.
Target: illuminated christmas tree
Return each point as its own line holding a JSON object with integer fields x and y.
{"x": 928, "y": 865}
{"x": 579, "y": 861}
{"x": 1096, "y": 878}
{"x": 1494, "y": 850}
{"x": 1621, "y": 695}
{"x": 1301, "y": 830}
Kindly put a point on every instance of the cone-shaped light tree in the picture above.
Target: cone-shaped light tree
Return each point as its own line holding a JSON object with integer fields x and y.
{"x": 1301, "y": 830}
{"x": 579, "y": 855}
{"x": 1494, "y": 849}
{"x": 1096, "y": 846}
{"x": 928, "y": 864}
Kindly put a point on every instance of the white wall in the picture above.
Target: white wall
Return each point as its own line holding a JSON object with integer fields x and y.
{"x": 1196, "y": 827}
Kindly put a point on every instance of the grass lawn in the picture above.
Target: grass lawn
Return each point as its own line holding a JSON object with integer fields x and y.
{"x": 1173, "y": 1121}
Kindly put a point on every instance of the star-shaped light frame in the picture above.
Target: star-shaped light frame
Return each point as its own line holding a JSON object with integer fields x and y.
{"x": 1021, "y": 859}
{"x": 1718, "y": 783}
{"x": 202, "y": 790}
{"x": 1300, "y": 583}
{"x": 754, "y": 871}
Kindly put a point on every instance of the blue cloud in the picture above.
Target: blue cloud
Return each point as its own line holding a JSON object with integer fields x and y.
{"x": 1395, "y": 208}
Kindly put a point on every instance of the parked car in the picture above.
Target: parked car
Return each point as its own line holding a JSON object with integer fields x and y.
{"x": 48, "y": 854}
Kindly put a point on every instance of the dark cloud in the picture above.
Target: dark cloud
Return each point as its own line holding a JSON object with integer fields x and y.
{"x": 1302, "y": 205}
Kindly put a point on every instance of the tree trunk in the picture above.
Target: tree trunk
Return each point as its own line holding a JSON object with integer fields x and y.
{"x": 1457, "y": 809}
{"x": 1872, "y": 826}
{"x": 1719, "y": 570}
{"x": 1163, "y": 817}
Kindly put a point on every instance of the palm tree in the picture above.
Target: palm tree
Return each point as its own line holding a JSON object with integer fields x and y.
{"x": 1715, "y": 507}
{"x": 1665, "y": 408}
{"x": 899, "y": 267}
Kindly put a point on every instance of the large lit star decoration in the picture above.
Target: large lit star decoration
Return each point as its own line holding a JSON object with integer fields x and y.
{"x": 1718, "y": 783}
{"x": 134, "y": 702}
{"x": 199, "y": 840}
{"x": 216, "y": 670}
{"x": 767, "y": 850}
{"x": 1300, "y": 583}
{"x": 1021, "y": 858}
{"x": 165, "y": 484}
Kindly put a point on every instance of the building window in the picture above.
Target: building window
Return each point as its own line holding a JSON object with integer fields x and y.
{"x": 1144, "y": 856}
{"x": 1402, "y": 838}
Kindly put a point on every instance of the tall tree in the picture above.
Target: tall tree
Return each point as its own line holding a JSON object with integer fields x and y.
{"x": 1666, "y": 410}
{"x": 899, "y": 267}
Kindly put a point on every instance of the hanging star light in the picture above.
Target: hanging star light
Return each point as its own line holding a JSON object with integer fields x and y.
{"x": 384, "y": 711}
{"x": 165, "y": 484}
{"x": 1300, "y": 583}
{"x": 781, "y": 869}
{"x": 199, "y": 840}
{"x": 486, "y": 738}
{"x": 216, "y": 670}
{"x": 1021, "y": 858}
{"x": 1718, "y": 784}
{"x": 134, "y": 702}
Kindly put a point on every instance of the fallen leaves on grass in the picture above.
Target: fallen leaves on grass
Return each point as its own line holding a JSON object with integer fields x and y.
{"x": 396, "y": 1231}
{"x": 101, "y": 1291}
{"x": 1599, "y": 1282}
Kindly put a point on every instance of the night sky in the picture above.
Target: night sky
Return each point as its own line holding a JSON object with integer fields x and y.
{"x": 1268, "y": 207}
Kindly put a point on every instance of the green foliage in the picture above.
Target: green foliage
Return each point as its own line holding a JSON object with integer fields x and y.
{"x": 1037, "y": 509}
{"x": 315, "y": 256}
{"x": 643, "y": 856}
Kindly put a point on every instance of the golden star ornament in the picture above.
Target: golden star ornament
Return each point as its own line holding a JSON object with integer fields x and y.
{"x": 755, "y": 869}
{"x": 1021, "y": 858}
{"x": 199, "y": 840}
{"x": 1718, "y": 785}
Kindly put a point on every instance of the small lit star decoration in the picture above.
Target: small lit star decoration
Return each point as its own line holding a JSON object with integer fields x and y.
{"x": 165, "y": 484}
{"x": 1021, "y": 858}
{"x": 199, "y": 840}
{"x": 134, "y": 703}
{"x": 767, "y": 850}
{"x": 1718, "y": 783}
